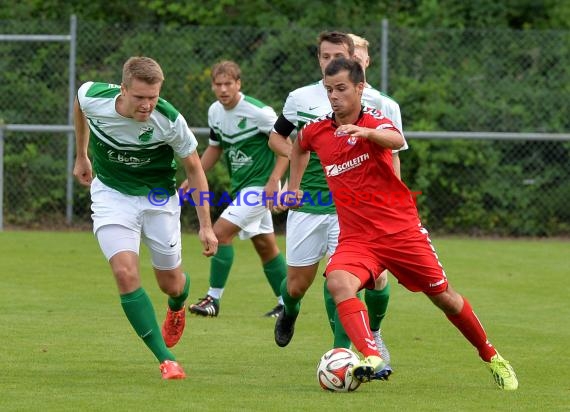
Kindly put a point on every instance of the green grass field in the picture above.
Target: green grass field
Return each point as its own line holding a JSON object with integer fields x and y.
{"x": 66, "y": 345}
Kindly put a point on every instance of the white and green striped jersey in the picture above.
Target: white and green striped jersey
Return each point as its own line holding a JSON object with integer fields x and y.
{"x": 130, "y": 156}
{"x": 311, "y": 101}
{"x": 387, "y": 106}
{"x": 243, "y": 133}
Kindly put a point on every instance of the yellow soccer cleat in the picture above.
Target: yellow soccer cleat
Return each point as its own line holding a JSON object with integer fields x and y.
{"x": 503, "y": 373}
{"x": 365, "y": 370}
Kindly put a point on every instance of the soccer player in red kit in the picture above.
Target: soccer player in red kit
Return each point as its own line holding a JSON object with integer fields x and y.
{"x": 379, "y": 224}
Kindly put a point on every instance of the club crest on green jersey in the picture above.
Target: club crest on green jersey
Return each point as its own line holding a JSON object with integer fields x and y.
{"x": 242, "y": 123}
{"x": 145, "y": 133}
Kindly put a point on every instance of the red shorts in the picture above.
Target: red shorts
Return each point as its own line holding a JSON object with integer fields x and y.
{"x": 408, "y": 255}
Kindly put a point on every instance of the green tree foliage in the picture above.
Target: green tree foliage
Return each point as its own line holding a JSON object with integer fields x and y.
{"x": 516, "y": 14}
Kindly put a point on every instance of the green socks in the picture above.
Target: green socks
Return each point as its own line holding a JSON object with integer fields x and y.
{"x": 141, "y": 315}
{"x": 341, "y": 339}
{"x": 176, "y": 303}
{"x": 377, "y": 304}
{"x": 292, "y": 305}
{"x": 221, "y": 265}
{"x": 276, "y": 271}
{"x": 330, "y": 306}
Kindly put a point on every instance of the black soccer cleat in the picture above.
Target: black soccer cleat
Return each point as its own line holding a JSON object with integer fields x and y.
{"x": 207, "y": 306}
{"x": 284, "y": 328}
{"x": 273, "y": 313}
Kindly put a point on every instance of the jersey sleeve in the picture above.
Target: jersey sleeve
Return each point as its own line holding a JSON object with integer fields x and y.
{"x": 377, "y": 120}
{"x": 393, "y": 113}
{"x": 290, "y": 109}
{"x": 288, "y": 120}
{"x": 266, "y": 118}
{"x": 213, "y": 138}
{"x": 384, "y": 123}
{"x": 84, "y": 101}
{"x": 283, "y": 126}
{"x": 389, "y": 108}
{"x": 82, "y": 91}
{"x": 183, "y": 141}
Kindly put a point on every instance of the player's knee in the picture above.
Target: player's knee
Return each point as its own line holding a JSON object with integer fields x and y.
{"x": 171, "y": 281}
{"x": 127, "y": 277}
{"x": 266, "y": 247}
{"x": 225, "y": 231}
{"x": 335, "y": 286}
{"x": 223, "y": 237}
{"x": 297, "y": 289}
{"x": 449, "y": 301}
{"x": 266, "y": 252}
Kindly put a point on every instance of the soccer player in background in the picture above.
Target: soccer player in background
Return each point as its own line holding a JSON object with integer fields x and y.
{"x": 312, "y": 231}
{"x": 239, "y": 128}
{"x": 134, "y": 135}
{"x": 379, "y": 231}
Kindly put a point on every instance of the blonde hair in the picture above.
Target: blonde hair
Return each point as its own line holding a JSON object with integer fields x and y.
{"x": 227, "y": 67}
{"x": 142, "y": 68}
{"x": 359, "y": 41}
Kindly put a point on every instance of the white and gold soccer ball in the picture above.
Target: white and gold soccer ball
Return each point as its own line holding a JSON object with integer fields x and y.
{"x": 334, "y": 371}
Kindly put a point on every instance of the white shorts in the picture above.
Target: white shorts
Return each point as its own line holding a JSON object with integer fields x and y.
{"x": 248, "y": 211}
{"x": 158, "y": 225}
{"x": 310, "y": 237}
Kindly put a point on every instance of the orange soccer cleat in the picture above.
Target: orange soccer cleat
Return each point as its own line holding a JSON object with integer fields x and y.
{"x": 173, "y": 326}
{"x": 171, "y": 370}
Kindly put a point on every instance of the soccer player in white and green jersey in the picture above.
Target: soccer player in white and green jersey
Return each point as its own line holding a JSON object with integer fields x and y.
{"x": 239, "y": 129}
{"x": 133, "y": 135}
{"x": 312, "y": 230}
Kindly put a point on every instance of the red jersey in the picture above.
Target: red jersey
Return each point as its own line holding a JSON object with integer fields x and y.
{"x": 370, "y": 199}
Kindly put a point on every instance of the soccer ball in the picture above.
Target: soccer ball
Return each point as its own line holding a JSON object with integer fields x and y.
{"x": 334, "y": 372}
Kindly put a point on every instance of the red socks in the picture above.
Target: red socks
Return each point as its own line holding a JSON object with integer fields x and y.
{"x": 354, "y": 318}
{"x": 468, "y": 324}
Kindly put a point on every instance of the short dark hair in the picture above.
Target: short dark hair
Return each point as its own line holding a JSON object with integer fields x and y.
{"x": 336, "y": 37}
{"x": 355, "y": 72}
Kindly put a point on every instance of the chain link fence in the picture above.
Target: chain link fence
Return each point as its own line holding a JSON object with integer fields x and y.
{"x": 456, "y": 81}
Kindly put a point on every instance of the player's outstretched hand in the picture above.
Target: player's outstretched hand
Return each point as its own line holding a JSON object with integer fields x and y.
{"x": 209, "y": 241}
{"x": 352, "y": 130}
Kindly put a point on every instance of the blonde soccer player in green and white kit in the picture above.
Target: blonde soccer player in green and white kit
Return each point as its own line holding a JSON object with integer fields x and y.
{"x": 239, "y": 129}
{"x": 312, "y": 230}
{"x": 133, "y": 135}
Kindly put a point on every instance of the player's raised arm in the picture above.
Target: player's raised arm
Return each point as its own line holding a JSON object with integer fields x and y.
{"x": 387, "y": 136}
